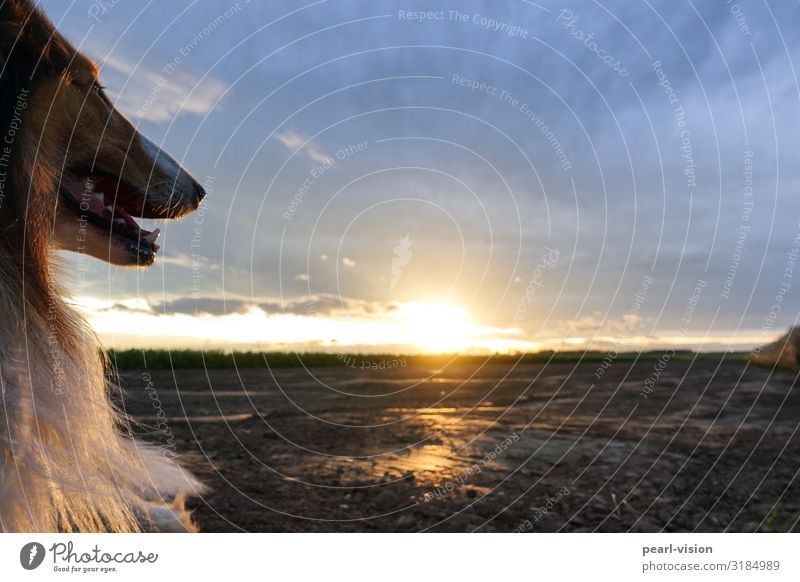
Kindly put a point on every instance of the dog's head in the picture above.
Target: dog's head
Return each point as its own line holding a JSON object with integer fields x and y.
{"x": 82, "y": 171}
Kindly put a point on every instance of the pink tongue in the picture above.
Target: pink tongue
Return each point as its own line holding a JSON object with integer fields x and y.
{"x": 83, "y": 192}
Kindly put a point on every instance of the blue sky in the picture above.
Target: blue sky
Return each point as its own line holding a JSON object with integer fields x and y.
{"x": 552, "y": 173}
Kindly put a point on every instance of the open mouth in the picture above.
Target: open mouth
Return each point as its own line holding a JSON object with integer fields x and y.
{"x": 101, "y": 201}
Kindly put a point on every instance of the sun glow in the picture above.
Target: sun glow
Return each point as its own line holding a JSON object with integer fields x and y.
{"x": 436, "y": 327}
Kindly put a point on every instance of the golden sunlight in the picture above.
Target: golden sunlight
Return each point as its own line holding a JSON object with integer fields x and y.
{"x": 436, "y": 327}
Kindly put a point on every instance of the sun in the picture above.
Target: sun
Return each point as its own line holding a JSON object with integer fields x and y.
{"x": 436, "y": 327}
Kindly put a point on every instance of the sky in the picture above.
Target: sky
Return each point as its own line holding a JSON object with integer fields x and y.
{"x": 457, "y": 176}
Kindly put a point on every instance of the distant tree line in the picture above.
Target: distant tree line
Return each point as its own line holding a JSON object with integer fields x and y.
{"x": 157, "y": 359}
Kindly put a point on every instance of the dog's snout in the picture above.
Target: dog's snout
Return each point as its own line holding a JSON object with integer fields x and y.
{"x": 199, "y": 194}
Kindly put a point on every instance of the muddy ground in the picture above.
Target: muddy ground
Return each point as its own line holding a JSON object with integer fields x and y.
{"x": 464, "y": 448}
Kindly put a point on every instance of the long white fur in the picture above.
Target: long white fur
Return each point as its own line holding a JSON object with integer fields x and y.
{"x": 64, "y": 463}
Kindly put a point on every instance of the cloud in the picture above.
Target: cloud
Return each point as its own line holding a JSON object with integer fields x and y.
{"x": 293, "y": 141}
{"x": 600, "y": 324}
{"x": 206, "y": 305}
{"x": 322, "y": 304}
{"x": 159, "y": 96}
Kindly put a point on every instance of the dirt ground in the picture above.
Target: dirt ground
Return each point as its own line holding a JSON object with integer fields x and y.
{"x": 464, "y": 448}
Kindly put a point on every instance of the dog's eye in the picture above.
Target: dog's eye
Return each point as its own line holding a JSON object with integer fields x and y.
{"x": 100, "y": 91}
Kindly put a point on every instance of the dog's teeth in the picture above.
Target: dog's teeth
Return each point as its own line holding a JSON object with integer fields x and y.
{"x": 119, "y": 221}
{"x": 99, "y": 196}
{"x": 152, "y": 236}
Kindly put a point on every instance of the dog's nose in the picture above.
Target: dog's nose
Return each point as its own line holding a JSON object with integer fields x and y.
{"x": 199, "y": 194}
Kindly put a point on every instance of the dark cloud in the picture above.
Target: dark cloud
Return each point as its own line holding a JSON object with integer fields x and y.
{"x": 311, "y": 305}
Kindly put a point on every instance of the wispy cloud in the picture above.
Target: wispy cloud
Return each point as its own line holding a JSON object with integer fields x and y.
{"x": 159, "y": 96}
{"x": 293, "y": 141}
{"x": 598, "y": 324}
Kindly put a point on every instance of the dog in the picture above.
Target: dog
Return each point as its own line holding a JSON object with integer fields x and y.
{"x": 74, "y": 172}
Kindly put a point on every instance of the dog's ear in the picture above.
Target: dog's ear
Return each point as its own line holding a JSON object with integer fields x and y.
{"x": 9, "y": 31}
{"x": 27, "y": 34}
{"x": 14, "y": 14}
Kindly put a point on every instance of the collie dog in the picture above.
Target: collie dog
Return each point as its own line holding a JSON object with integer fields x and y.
{"x": 73, "y": 174}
